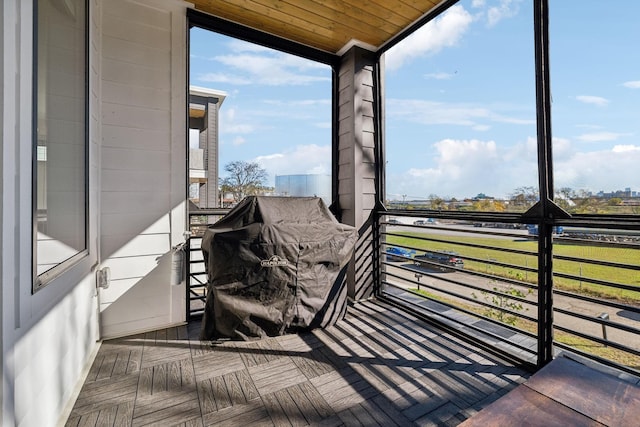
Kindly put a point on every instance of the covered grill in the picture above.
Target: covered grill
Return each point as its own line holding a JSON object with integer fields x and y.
{"x": 275, "y": 265}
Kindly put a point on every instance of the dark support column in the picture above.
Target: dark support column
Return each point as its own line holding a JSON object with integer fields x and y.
{"x": 357, "y": 162}
{"x": 545, "y": 295}
{"x": 545, "y": 170}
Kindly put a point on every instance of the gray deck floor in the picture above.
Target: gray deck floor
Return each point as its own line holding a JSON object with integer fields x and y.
{"x": 378, "y": 366}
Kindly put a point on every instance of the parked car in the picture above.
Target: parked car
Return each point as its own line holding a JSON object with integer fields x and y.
{"x": 445, "y": 259}
{"x": 393, "y": 221}
{"x": 394, "y": 253}
{"x": 425, "y": 221}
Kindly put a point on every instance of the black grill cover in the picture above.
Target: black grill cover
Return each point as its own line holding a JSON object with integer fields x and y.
{"x": 275, "y": 265}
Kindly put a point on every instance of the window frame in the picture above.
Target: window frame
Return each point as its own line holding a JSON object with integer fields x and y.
{"x": 43, "y": 279}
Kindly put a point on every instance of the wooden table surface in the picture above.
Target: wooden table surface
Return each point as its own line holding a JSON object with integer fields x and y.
{"x": 565, "y": 393}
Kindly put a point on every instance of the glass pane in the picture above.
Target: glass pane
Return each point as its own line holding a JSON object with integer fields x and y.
{"x": 596, "y": 100}
{"x": 61, "y": 143}
{"x": 460, "y": 130}
{"x": 274, "y": 121}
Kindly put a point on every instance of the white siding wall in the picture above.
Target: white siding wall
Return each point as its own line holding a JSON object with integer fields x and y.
{"x": 47, "y": 337}
{"x": 143, "y": 167}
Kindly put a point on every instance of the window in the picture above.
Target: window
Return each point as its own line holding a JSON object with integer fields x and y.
{"x": 265, "y": 119}
{"x": 460, "y": 111}
{"x": 60, "y": 138}
{"x": 595, "y": 87}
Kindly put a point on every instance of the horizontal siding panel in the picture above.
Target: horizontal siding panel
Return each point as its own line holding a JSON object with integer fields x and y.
{"x": 345, "y": 111}
{"x": 368, "y": 155}
{"x": 158, "y": 77}
{"x": 114, "y": 136}
{"x": 136, "y": 12}
{"x": 367, "y": 124}
{"x": 116, "y": 289}
{"x": 365, "y": 79}
{"x": 113, "y": 180}
{"x": 135, "y": 117}
{"x": 133, "y": 53}
{"x": 136, "y": 160}
{"x": 153, "y": 204}
{"x": 366, "y": 108}
{"x": 345, "y": 94}
{"x": 368, "y": 186}
{"x": 141, "y": 245}
{"x": 367, "y": 170}
{"x": 131, "y": 267}
{"x": 345, "y": 186}
{"x": 138, "y": 23}
{"x": 345, "y": 157}
{"x": 345, "y": 130}
{"x": 138, "y": 96}
{"x": 369, "y": 142}
{"x": 132, "y": 223}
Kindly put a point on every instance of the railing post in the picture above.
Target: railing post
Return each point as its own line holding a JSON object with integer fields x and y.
{"x": 545, "y": 295}
{"x": 187, "y": 286}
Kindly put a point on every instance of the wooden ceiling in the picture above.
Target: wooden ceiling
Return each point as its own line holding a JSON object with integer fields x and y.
{"x": 327, "y": 25}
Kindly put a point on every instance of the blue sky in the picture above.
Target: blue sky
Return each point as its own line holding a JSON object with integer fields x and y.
{"x": 460, "y": 101}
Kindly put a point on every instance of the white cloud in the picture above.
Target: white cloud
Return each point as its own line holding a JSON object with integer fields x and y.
{"x": 562, "y": 148}
{"x": 594, "y": 100}
{"x": 253, "y": 64}
{"x": 297, "y": 102}
{"x": 439, "y": 76}
{"x": 612, "y": 169}
{"x": 634, "y": 84}
{"x": 231, "y": 79}
{"x": 460, "y": 114}
{"x": 238, "y": 140}
{"x": 464, "y": 168}
{"x": 478, "y": 3}
{"x": 505, "y": 9}
{"x": 230, "y": 123}
{"x": 237, "y": 45}
{"x": 600, "y": 136}
{"x": 625, "y": 148}
{"x": 302, "y": 159}
{"x": 444, "y": 31}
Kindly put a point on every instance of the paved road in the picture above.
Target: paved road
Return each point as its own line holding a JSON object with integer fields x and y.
{"x": 591, "y": 309}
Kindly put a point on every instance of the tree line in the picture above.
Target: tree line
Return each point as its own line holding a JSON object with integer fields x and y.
{"x": 249, "y": 178}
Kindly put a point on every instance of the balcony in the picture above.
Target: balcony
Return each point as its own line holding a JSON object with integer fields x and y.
{"x": 425, "y": 352}
{"x": 479, "y": 273}
{"x": 379, "y": 365}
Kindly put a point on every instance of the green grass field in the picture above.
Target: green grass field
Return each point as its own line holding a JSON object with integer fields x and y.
{"x": 579, "y": 343}
{"x": 579, "y": 269}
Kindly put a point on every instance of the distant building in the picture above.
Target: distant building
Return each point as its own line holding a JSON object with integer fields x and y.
{"x": 204, "y": 109}
{"x": 304, "y": 185}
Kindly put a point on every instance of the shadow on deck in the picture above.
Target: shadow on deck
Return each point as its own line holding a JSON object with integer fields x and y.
{"x": 378, "y": 366}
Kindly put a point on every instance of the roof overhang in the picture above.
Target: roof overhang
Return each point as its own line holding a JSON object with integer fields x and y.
{"x": 330, "y": 26}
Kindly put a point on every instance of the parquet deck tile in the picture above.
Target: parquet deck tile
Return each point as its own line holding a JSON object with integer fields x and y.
{"x": 379, "y": 366}
{"x": 217, "y": 362}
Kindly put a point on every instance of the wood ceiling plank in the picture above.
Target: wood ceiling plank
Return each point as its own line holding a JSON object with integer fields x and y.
{"x": 344, "y": 25}
{"x": 258, "y": 21}
{"x": 323, "y": 24}
{"x": 406, "y": 10}
{"x": 388, "y": 22}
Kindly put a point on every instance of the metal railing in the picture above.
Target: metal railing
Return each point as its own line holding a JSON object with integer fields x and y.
{"x": 479, "y": 277}
{"x": 196, "y": 287}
